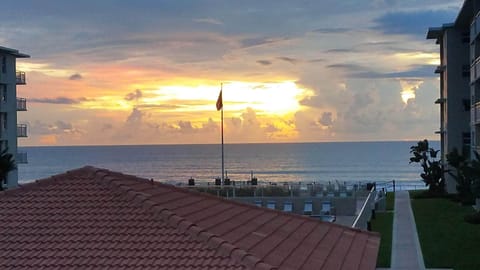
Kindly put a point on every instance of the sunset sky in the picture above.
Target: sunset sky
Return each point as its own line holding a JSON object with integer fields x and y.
{"x": 149, "y": 71}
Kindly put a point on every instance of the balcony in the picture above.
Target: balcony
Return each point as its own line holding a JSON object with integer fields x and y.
{"x": 440, "y": 69}
{"x": 475, "y": 70}
{"x": 21, "y": 77}
{"x": 440, "y": 101}
{"x": 21, "y": 130}
{"x": 21, "y": 158}
{"x": 477, "y": 113}
{"x": 21, "y": 104}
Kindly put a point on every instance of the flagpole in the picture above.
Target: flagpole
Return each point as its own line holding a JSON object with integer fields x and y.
{"x": 223, "y": 160}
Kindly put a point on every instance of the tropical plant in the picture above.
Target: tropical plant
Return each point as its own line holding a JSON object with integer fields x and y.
{"x": 7, "y": 164}
{"x": 463, "y": 175}
{"x": 432, "y": 168}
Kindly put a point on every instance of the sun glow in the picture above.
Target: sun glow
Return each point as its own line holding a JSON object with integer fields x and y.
{"x": 409, "y": 88}
{"x": 277, "y": 98}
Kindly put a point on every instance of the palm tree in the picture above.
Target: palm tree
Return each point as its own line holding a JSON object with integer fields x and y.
{"x": 7, "y": 164}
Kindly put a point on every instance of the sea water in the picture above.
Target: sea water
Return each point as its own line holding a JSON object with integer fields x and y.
{"x": 320, "y": 162}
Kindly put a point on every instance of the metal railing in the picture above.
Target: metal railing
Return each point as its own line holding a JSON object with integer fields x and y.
{"x": 365, "y": 214}
{"x": 21, "y": 78}
{"x": 21, "y": 130}
{"x": 21, "y": 104}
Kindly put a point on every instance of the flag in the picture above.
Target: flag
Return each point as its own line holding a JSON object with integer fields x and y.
{"x": 219, "y": 101}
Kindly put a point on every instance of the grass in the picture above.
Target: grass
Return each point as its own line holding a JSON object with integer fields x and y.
{"x": 383, "y": 223}
{"x": 390, "y": 201}
{"x": 447, "y": 240}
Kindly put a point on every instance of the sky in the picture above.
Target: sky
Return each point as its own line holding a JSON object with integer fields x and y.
{"x": 150, "y": 71}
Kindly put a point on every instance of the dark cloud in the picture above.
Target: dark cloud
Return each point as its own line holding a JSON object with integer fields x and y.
{"x": 326, "y": 120}
{"x": 348, "y": 67}
{"x": 358, "y": 71}
{"x": 61, "y": 125}
{"x": 259, "y": 41}
{"x": 59, "y": 100}
{"x": 75, "y": 77}
{"x": 288, "y": 59}
{"x": 136, "y": 95}
{"x": 264, "y": 62}
{"x": 340, "y": 50}
{"x": 135, "y": 117}
{"x": 338, "y": 30}
{"x": 416, "y": 71}
{"x": 56, "y": 128}
{"x": 186, "y": 127}
{"x": 317, "y": 60}
{"x": 413, "y": 23}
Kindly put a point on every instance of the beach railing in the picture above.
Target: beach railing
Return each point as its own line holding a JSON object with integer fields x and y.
{"x": 365, "y": 214}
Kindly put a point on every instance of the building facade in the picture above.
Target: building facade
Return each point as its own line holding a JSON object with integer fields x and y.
{"x": 10, "y": 104}
{"x": 459, "y": 99}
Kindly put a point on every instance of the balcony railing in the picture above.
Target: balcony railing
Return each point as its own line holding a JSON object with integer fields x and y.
{"x": 477, "y": 112}
{"x": 21, "y": 77}
{"x": 21, "y": 130}
{"x": 475, "y": 27}
{"x": 475, "y": 70}
{"x": 21, "y": 104}
{"x": 21, "y": 158}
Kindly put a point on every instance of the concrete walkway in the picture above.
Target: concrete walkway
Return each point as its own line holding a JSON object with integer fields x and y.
{"x": 406, "y": 251}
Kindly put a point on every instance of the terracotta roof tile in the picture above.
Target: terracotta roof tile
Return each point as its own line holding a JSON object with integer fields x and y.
{"x": 92, "y": 218}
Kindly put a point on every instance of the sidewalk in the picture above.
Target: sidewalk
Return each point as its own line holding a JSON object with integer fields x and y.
{"x": 406, "y": 251}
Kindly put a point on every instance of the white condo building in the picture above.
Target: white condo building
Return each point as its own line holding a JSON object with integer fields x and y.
{"x": 10, "y": 104}
{"x": 459, "y": 72}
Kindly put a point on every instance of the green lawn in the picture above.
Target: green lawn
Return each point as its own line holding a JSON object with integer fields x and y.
{"x": 447, "y": 240}
{"x": 390, "y": 201}
{"x": 383, "y": 223}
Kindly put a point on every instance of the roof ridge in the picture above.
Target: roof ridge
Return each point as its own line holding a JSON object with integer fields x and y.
{"x": 223, "y": 247}
{"x": 43, "y": 181}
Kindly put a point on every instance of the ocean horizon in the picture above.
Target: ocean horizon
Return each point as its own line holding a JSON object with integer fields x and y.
{"x": 271, "y": 162}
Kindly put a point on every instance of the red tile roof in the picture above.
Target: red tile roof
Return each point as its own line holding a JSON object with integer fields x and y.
{"x": 93, "y": 218}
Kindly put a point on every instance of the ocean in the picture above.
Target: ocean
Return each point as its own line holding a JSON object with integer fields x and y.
{"x": 319, "y": 162}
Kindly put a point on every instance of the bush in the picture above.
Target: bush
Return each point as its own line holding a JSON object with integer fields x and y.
{"x": 473, "y": 218}
{"x": 432, "y": 168}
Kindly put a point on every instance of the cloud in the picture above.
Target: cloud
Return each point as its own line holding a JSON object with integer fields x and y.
{"x": 259, "y": 41}
{"x": 413, "y": 22}
{"x": 75, "y": 77}
{"x": 361, "y": 72}
{"x": 60, "y": 100}
{"x": 290, "y": 60}
{"x": 326, "y": 30}
{"x": 326, "y": 119}
{"x": 416, "y": 71}
{"x": 340, "y": 50}
{"x": 316, "y": 60}
{"x": 136, "y": 95}
{"x": 159, "y": 106}
{"x": 135, "y": 117}
{"x": 208, "y": 21}
{"x": 264, "y": 62}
